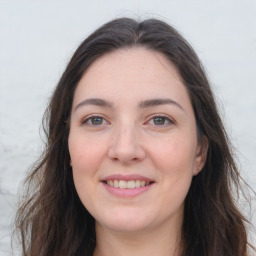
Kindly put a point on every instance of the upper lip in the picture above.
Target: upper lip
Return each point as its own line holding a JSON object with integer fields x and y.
{"x": 127, "y": 177}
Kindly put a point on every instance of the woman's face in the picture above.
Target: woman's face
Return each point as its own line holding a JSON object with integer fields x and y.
{"x": 133, "y": 141}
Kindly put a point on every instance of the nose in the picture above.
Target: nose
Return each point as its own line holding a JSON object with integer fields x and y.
{"x": 125, "y": 146}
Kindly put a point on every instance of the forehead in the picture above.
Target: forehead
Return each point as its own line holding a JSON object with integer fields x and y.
{"x": 131, "y": 74}
{"x": 138, "y": 62}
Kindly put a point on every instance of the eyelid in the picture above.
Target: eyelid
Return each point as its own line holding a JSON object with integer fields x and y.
{"x": 87, "y": 118}
{"x": 168, "y": 118}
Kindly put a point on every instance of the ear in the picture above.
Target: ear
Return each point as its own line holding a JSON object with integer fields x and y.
{"x": 201, "y": 155}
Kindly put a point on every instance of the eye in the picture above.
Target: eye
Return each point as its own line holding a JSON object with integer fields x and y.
{"x": 161, "y": 121}
{"x": 94, "y": 121}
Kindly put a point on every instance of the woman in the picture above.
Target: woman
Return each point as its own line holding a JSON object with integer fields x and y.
{"x": 137, "y": 160}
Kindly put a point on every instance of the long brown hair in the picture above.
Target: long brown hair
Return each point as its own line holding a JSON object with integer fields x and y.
{"x": 52, "y": 220}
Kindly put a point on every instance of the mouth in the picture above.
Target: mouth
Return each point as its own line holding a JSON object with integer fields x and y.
{"x": 127, "y": 185}
{"x": 130, "y": 184}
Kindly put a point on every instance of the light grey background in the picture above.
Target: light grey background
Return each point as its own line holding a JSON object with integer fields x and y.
{"x": 37, "y": 38}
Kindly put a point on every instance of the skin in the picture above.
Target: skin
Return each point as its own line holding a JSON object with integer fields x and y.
{"x": 128, "y": 139}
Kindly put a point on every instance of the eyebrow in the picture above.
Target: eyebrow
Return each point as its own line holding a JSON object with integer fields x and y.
{"x": 95, "y": 102}
{"x": 158, "y": 102}
{"x": 143, "y": 104}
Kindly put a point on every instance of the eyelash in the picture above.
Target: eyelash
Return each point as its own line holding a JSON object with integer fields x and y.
{"x": 168, "y": 119}
{"x": 90, "y": 118}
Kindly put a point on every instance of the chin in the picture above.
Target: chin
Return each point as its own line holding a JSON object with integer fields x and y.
{"x": 124, "y": 222}
{"x": 127, "y": 227}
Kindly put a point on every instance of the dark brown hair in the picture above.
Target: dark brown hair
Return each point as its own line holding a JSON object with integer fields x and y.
{"x": 53, "y": 221}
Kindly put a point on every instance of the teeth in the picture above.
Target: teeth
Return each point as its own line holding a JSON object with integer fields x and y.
{"x": 116, "y": 183}
{"x": 127, "y": 184}
{"x": 137, "y": 183}
{"x": 130, "y": 184}
{"x": 122, "y": 184}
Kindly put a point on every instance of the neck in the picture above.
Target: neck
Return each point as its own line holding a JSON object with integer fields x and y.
{"x": 164, "y": 241}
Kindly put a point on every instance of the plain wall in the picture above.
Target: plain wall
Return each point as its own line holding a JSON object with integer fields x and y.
{"x": 37, "y": 39}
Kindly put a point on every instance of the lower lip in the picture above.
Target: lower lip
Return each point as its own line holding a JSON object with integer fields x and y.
{"x": 127, "y": 192}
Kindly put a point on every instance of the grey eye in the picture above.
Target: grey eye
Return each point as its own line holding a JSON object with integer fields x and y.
{"x": 159, "y": 120}
{"x": 96, "y": 120}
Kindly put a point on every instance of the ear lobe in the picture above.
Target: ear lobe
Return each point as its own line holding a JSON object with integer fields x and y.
{"x": 201, "y": 155}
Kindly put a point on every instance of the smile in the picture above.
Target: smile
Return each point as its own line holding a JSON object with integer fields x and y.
{"x": 127, "y": 185}
{"x": 130, "y": 184}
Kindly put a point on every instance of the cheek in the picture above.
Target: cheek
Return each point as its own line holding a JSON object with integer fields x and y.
{"x": 85, "y": 159}
{"x": 177, "y": 169}
{"x": 175, "y": 161}
{"x": 175, "y": 156}
{"x": 85, "y": 152}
